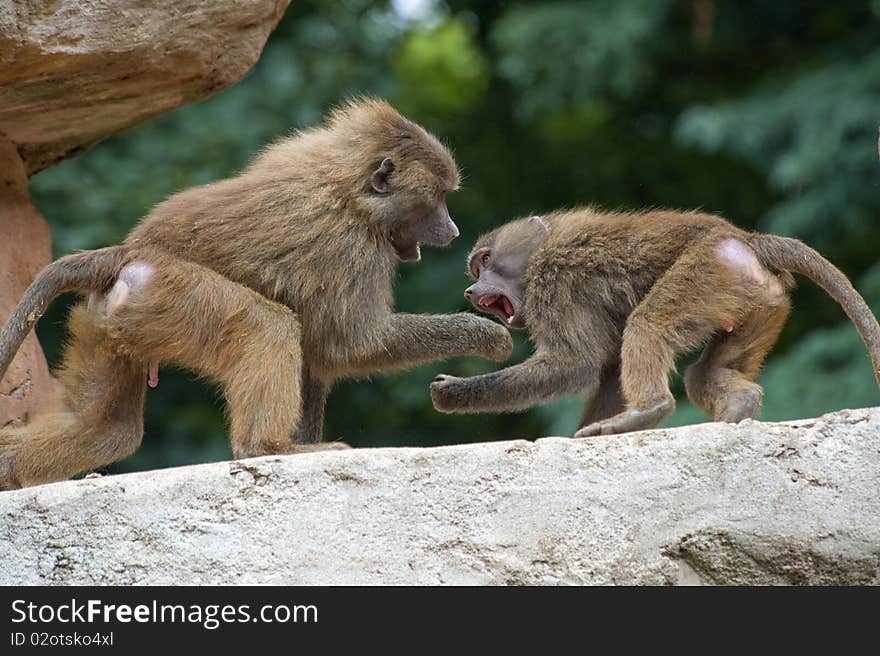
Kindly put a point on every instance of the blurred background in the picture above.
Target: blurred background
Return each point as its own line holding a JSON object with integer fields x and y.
{"x": 764, "y": 112}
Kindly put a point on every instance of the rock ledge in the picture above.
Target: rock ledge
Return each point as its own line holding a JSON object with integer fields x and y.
{"x": 756, "y": 503}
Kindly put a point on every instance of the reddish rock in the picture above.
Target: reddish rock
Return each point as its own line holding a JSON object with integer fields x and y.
{"x": 25, "y": 248}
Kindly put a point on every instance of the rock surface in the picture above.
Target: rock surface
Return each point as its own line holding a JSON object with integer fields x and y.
{"x": 792, "y": 503}
{"x": 75, "y": 71}
{"x": 25, "y": 248}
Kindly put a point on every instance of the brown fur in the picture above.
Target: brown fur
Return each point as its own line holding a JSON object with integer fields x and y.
{"x": 273, "y": 283}
{"x": 610, "y": 299}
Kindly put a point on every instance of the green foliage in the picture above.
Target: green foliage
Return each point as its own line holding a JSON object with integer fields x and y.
{"x": 764, "y": 112}
{"x": 835, "y": 372}
{"x": 441, "y": 70}
{"x": 814, "y": 137}
{"x": 559, "y": 54}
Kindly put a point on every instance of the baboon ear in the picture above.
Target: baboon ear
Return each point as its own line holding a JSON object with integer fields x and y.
{"x": 379, "y": 179}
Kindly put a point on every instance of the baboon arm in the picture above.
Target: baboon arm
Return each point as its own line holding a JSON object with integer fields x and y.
{"x": 410, "y": 339}
{"x": 537, "y": 380}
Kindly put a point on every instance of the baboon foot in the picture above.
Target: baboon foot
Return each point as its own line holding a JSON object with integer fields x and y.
{"x": 290, "y": 449}
{"x": 319, "y": 446}
{"x": 742, "y": 404}
{"x": 630, "y": 420}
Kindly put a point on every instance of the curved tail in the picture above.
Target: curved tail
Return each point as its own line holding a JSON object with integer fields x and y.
{"x": 792, "y": 255}
{"x": 86, "y": 271}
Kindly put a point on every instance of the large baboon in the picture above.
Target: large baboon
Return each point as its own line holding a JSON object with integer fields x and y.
{"x": 274, "y": 283}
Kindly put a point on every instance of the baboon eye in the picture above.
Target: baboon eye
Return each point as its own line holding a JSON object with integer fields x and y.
{"x": 481, "y": 257}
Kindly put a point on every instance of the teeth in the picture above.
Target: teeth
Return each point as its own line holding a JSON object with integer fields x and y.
{"x": 508, "y": 306}
{"x": 486, "y": 301}
{"x": 510, "y": 319}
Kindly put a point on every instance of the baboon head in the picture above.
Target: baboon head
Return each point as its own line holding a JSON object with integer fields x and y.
{"x": 405, "y": 176}
{"x": 498, "y": 266}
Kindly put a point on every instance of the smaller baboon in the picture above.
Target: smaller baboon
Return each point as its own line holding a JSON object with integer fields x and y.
{"x": 610, "y": 298}
{"x": 273, "y": 283}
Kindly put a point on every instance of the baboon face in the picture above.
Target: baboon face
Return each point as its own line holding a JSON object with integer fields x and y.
{"x": 498, "y": 288}
{"x": 417, "y": 213}
{"x": 498, "y": 266}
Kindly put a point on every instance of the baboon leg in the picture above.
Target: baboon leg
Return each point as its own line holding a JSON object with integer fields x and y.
{"x": 307, "y": 436}
{"x": 97, "y": 419}
{"x": 606, "y": 401}
{"x": 711, "y": 288}
{"x": 183, "y": 313}
{"x": 314, "y": 397}
{"x": 720, "y": 382}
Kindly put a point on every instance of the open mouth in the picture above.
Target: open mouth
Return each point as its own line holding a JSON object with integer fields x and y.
{"x": 499, "y": 305}
{"x": 409, "y": 252}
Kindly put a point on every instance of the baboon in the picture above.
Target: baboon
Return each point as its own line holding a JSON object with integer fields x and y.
{"x": 610, "y": 298}
{"x": 273, "y": 283}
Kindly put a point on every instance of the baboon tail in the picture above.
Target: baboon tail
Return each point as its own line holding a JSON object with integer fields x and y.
{"x": 792, "y": 255}
{"x": 83, "y": 272}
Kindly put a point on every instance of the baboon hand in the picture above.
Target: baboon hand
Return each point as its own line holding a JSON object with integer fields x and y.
{"x": 449, "y": 393}
{"x": 499, "y": 344}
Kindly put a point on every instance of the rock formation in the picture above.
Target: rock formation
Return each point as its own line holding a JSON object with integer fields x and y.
{"x": 754, "y": 503}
